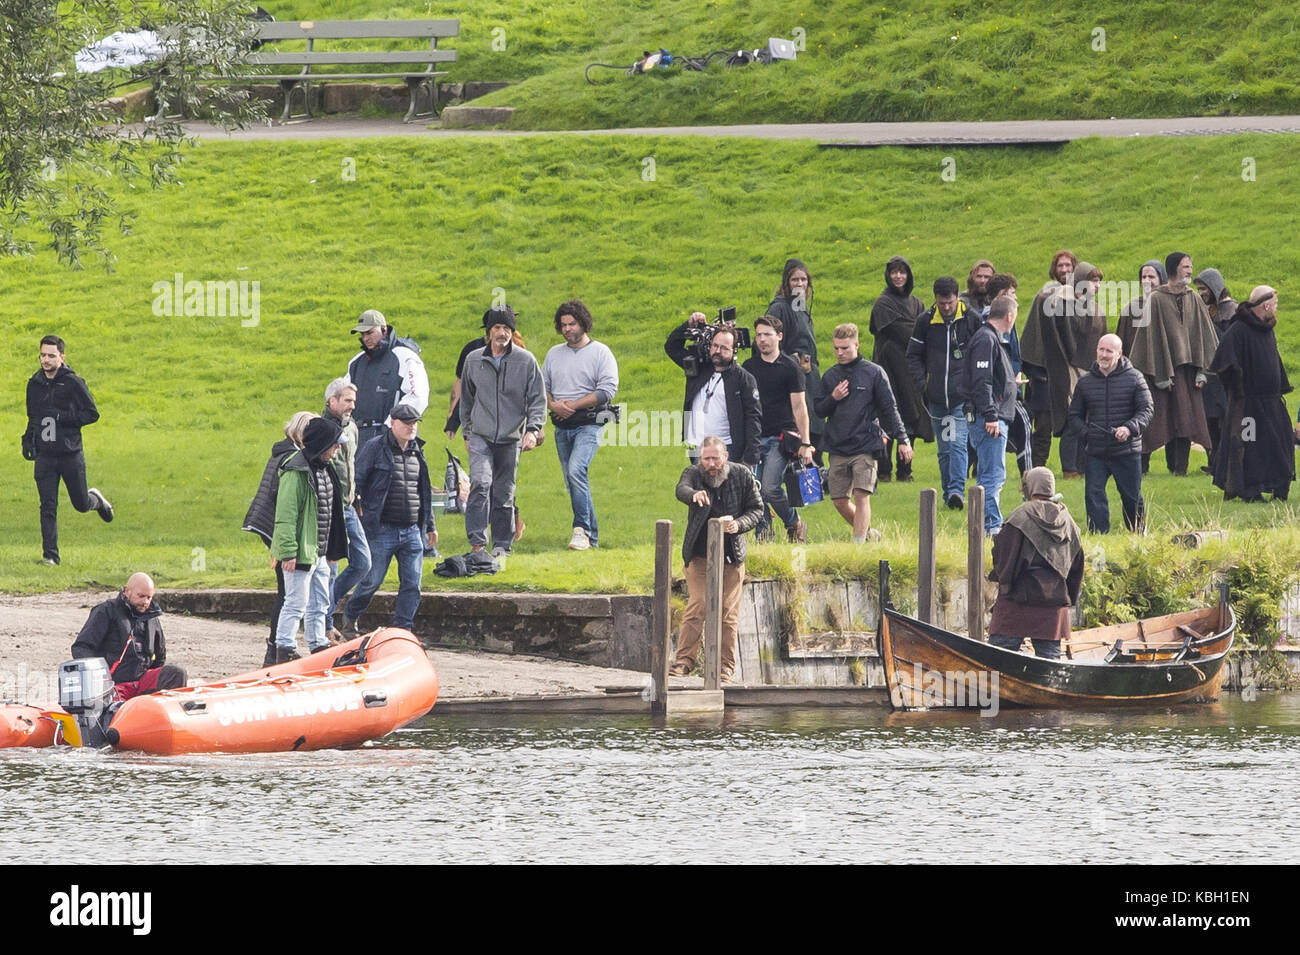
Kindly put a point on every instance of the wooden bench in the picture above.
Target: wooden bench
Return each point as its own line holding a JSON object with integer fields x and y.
{"x": 428, "y": 32}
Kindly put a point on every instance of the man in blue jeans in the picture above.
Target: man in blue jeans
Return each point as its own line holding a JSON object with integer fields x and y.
{"x": 936, "y": 356}
{"x": 782, "y": 399}
{"x": 992, "y": 383}
{"x": 397, "y": 511}
{"x": 503, "y": 410}
{"x": 581, "y": 379}
{"x": 340, "y": 400}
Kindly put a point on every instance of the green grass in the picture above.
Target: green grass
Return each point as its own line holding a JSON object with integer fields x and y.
{"x": 928, "y": 59}
{"x": 428, "y": 229}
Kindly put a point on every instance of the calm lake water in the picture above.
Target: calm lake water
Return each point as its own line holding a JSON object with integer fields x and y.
{"x": 1193, "y": 784}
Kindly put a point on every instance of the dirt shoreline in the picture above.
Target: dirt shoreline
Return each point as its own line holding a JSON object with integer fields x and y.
{"x": 36, "y": 634}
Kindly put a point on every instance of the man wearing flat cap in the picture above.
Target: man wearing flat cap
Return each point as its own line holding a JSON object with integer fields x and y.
{"x": 309, "y": 535}
{"x": 396, "y": 505}
{"x": 387, "y": 371}
{"x": 503, "y": 409}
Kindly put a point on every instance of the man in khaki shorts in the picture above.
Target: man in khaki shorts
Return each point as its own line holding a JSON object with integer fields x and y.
{"x": 854, "y": 393}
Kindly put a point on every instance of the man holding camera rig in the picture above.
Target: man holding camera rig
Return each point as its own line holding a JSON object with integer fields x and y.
{"x": 721, "y": 397}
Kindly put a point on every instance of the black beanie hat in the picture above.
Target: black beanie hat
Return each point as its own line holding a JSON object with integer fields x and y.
{"x": 319, "y": 436}
{"x": 500, "y": 315}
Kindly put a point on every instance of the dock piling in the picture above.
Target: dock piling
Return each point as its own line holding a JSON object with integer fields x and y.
{"x": 975, "y": 563}
{"x": 661, "y": 618}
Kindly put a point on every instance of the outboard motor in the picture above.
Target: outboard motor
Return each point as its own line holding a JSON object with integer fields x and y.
{"x": 86, "y": 692}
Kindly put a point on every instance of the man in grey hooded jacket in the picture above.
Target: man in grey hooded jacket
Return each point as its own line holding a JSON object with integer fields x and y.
{"x": 502, "y": 409}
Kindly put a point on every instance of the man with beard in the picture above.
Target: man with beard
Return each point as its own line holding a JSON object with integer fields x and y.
{"x": 855, "y": 393}
{"x": 714, "y": 487}
{"x": 1112, "y": 405}
{"x": 59, "y": 405}
{"x": 1038, "y": 566}
{"x": 1258, "y": 452}
{"x": 893, "y": 319}
{"x": 503, "y": 411}
{"x": 977, "y": 297}
{"x": 1047, "y": 394}
{"x": 792, "y": 304}
{"x": 721, "y": 398}
{"x": 1065, "y": 339}
{"x": 581, "y": 378}
{"x": 936, "y": 358}
{"x": 1174, "y": 351}
{"x": 1222, "y": 306}
{"x": 388, "y": 371}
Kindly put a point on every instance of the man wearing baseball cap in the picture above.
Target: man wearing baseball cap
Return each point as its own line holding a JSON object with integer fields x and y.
{"x": 502, "y": 409}
{"x": 396, "y": 508}
{"x": 386, "y": 372}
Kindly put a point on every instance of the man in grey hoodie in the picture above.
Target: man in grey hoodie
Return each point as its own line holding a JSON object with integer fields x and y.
{"x": 502, "y": 409}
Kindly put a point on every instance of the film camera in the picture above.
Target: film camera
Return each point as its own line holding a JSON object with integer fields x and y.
{"x": 700, "y": 336}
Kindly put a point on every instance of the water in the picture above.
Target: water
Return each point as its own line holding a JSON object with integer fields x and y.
{"x": 1192, "y": 784}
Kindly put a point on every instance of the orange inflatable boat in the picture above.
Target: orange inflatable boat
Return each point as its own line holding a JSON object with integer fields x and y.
{"x": 22, "y": 724}
{"x": 340, "y": 697}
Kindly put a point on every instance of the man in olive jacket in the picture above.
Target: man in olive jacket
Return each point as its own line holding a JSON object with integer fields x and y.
{"x": 309, "y": 534}
{"x": 715, "y": 488}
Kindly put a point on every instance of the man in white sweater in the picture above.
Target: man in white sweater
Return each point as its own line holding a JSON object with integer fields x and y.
{"x": 581, "y": 379}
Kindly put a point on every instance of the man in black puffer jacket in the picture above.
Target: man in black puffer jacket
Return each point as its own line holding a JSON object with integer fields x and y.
{"x": 1113, "y": 405}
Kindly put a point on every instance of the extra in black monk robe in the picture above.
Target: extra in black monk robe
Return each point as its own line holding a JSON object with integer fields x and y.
{"x": 1258, "y": 445}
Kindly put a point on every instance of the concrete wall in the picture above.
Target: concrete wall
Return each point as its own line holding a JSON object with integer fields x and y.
{"x": 603, "y": 630}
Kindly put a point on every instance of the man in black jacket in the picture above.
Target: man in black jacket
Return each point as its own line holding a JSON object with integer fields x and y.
{"x": 396, "y": 507}
{"x": 721, "y": 398}
{"x": 1113, "y": 403}
{"x": 992, "y": 385}
{"x": 59, "y": 405}
{"x": 715, "y": 488}
{"x": 855, "y": 393}
{"x": 936, "y": 355}
{"x": 127, "y": 633}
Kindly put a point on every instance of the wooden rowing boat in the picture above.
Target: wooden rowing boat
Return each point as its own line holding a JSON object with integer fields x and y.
{"x": 1177, "y": 658}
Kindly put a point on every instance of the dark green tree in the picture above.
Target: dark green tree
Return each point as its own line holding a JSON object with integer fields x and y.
{"x": 61, "y": 136}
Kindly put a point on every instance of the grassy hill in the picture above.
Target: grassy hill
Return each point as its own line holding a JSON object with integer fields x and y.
{"x": 427, "y": 229}
{"x": 928, "y": 59}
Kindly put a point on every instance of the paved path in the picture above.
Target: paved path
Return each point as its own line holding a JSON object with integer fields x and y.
{"x": 864, "y": 134}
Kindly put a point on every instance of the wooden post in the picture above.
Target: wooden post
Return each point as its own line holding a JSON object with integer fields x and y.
{"x": 975, "y": 563}
{"x": 661, "y": 618}
{"x": 713, "y": 607}
{"x": 925, "y": 564}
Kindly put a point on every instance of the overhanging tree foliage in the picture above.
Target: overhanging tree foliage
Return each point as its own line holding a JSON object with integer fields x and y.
{"x": 60, "y": 138}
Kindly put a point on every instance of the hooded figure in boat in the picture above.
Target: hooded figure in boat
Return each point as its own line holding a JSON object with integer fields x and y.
{"x": 1038, "y": 565}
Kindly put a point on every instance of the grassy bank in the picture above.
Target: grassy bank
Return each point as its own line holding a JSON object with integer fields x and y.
{"x": 426, "y": 230}
{"x": 867, "y": 62}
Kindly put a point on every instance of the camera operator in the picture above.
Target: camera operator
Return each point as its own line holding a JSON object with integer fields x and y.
{"x": 721, "y": 397}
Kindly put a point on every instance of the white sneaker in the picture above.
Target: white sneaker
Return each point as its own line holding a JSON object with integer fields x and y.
{"x": 579, "y": 540}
